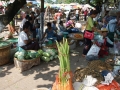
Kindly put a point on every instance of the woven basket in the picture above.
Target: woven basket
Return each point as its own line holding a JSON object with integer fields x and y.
{"x": 26, "y": 64}
{"x": 4, "y": 55}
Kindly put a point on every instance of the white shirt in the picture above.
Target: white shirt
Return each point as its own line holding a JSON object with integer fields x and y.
{"x": 77, "y": 11}
{"x": 23, "y": 22}
{"x": 67, "y": 13}
{"x": 23, "y": 36}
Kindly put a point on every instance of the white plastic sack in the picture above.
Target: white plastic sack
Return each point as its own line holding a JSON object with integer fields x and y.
{"x": 87, "y": 84}
{"x": 108, "y": 79}
{"x": 94, "y": 50}
{"x": 117, "y": 67}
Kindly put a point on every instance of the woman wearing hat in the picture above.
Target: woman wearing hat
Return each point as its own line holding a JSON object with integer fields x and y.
{"x": 104, "y": 43}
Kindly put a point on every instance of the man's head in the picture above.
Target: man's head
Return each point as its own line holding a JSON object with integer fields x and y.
{"x": 30, "y": 19}
{"x": 27, "y": 17}
{"x": 54, "y": 22}
{"x": 32, "y": 13}
{"x": 49, "y": 24}
{"x": 93, "y": 13}
{"x": 26, "y": 28}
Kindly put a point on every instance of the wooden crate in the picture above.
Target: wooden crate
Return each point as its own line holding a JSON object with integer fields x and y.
{"x": 26, "y": 64}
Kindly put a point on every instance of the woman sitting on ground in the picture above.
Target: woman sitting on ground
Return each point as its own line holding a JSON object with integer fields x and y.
{"x": 49, "y": 32}
{"x": 61, "y": 27}
{"x": 25, "y": 42}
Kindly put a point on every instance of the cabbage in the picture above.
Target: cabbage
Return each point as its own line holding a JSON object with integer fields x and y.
{"x": 56, "y": 56}
{"x": 2, "y": 44}
{"x": 46, "y": 54}
{"x": 38, "y": 55}
{"x": 32, "y": 54}
{"x": 46, "y": 59}
{"x": 19, "y": 57}
{"x": 40, "y": 52}
{"x": 51, "y": 52}
{"x": 51, "y": 58}
{"x": 16, "y": 54}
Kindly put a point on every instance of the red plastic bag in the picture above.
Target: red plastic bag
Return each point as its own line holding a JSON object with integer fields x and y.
{"x": 113, "y": 86}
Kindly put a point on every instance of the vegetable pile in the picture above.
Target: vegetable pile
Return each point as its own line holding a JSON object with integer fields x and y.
{"x": 3, "y": 43}
{"x": 27, "y": 55}
{"x": 49, "y": 54}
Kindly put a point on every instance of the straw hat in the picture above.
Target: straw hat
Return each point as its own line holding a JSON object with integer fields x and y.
{"x": 104, "y": 30}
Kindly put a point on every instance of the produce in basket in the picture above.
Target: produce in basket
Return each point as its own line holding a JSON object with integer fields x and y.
{"x": 32, "y": 54}
{"x": 26, "y": 55}
{"x": 2, "y": 44}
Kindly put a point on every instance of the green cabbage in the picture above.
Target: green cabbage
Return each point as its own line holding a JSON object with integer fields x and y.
{"x": 19, "y": 57}
{"x": 51, "y": 58}
{"x": 40, "y": 52}
{"x": 46, "y": 54}
{"x": 51, "y": 52}
{"x": 56, "y": 56}
{"x": 46, "y": 59}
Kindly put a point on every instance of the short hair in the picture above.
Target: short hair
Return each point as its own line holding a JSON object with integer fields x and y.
{"x": 25, "y": 26}
{"x": 32, "y": 12}
{"x": 93, "y": 12}
{"x": 49, "y": 24}
{"x": 27, "y": 23}
{"x": 30, "y": 18}
{"x": 27, "y": 17}
{"x": 60, "y": 22}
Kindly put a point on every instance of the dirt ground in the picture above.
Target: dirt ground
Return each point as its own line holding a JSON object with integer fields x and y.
{"x": 39, "y": 76}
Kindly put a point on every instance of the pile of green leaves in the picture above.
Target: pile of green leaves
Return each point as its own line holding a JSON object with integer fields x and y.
{"x": 3, "y": 44}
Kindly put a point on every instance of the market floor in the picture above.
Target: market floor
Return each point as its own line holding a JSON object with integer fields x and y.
{"x": 39, "y": 76}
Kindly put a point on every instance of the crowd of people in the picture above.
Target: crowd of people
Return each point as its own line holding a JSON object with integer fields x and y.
{"x": 106, "y": 27}
{"x": 106, "y": 36}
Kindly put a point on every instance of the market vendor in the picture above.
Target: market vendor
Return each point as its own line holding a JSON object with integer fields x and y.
{"x": 25, "y": 42}
{"x": 104, "y": 43}
{"x": 50, "y": 33}
{"x": 61, "y": 27}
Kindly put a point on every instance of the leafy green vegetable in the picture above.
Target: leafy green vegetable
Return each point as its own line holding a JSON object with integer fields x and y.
{"x": 51, "y": 58}
{"x": 46, "y": 54}
{"x": 40, "y": 52}
{"x": 56, "y": 56}
{"x": 51, "y": 52}
{"x": 19, "y": 57}
{"x": 3, "y": 43}
{"x": 46, "y": 59}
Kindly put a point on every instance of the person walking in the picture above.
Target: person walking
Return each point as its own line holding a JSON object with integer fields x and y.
{"x": 90, "y": 28}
